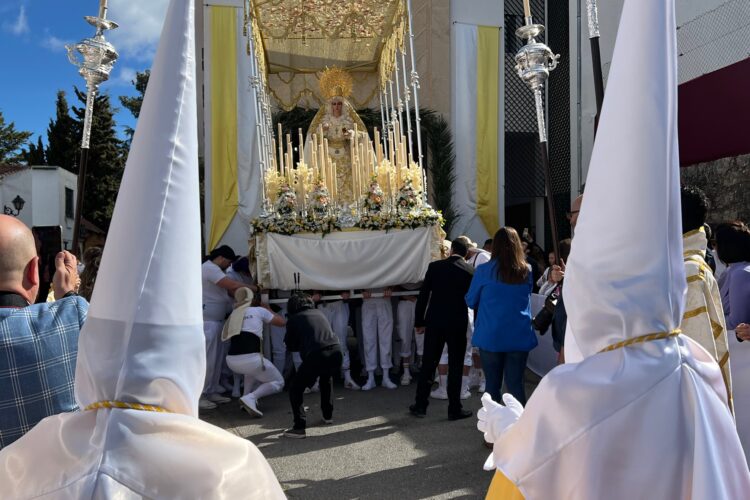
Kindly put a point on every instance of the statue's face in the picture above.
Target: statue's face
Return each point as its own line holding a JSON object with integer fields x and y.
{"x": 336, "y": 108}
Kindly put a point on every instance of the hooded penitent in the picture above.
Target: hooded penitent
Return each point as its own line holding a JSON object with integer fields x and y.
{"x": 641, "y": 412}
{"x": 141, "y": 357}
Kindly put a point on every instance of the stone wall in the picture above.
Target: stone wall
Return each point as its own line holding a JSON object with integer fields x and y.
{"x": 726, "y": 182}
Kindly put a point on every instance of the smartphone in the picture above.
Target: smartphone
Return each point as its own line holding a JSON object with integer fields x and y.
{"x": 49, "y": 243}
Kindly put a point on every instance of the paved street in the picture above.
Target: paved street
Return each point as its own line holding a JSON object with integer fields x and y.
{"x": 374, "y": 450}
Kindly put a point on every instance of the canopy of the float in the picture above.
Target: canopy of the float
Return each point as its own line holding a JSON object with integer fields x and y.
{"x": 296, "y": 40}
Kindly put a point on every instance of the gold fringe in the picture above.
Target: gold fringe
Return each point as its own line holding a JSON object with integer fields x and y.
{"x": 125, "y": 406}
{"x": 643, "y": 338}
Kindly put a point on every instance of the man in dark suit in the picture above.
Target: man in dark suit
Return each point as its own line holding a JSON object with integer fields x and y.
{"x": 444, "y": 321}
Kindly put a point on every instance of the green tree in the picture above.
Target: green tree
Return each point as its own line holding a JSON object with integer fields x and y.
{"x": 106, "y": 160}
{"x": 133, "y": 104}
{"x": 11, "y": 142}
{"x": 63, "y": 138}
{"x": 35, "y": 154}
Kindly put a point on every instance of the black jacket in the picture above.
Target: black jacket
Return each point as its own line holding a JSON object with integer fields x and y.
{"x": 444, "y": 289}
{"x": 309, "y": 331}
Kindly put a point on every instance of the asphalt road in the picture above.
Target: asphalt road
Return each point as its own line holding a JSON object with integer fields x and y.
{"x": 374, "y": 449}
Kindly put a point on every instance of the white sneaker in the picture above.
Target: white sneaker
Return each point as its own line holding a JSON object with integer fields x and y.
{"x": 406, "y": 379}
{"x": 465, "y": 393}
{"x": 474, "y": 379}
{"x": 481, "y": 387}
{"x": 217, "y": 398}
{"x": 388, "y": 383}
{"x": 250, "y": 405}
{"x": 439, "y": 393}
{"x": 370, "y": 385}
{"x": 205, "y": 404}
{"x": 351, "y": 384}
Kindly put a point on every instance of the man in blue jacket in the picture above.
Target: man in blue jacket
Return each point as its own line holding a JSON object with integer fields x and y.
{"x": 38, "y": 342}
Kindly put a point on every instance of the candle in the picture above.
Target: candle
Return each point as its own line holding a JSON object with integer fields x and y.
{"x": 526, "y": 8}
{"x": 301, "y": 146}
{"x": 281, "y": 150}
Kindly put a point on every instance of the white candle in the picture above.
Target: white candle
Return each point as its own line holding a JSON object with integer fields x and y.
{"x": 526, "y": 8}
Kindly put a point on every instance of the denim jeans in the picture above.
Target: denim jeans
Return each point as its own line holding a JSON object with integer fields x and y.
{"x": 510, "y": 364}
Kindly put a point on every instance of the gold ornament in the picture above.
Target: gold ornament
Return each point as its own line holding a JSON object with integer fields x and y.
{"x": 335, "y": 82}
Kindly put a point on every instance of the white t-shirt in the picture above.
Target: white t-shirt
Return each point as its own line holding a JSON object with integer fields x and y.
{"x": 254, "y": 319}
{"x": 479, "y": 258}
{"x": 216, "y": 300}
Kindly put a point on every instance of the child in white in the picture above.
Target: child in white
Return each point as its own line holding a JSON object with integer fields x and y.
{"x": 246, "y": 353}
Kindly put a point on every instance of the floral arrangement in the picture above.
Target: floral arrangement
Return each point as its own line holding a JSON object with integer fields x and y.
{"x": 374, "y": 198}
{"x": 407, "y": 197}
{"x": 293, "y": 224}
{"x": 412, "y": 220}
{"x": 286, "y": 201}
{"x": 320, "y": 199}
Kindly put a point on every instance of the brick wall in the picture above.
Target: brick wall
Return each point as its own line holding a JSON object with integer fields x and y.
{"x": 726, "y": 182}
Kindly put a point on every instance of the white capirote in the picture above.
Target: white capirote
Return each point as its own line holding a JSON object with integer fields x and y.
{"x": 142, "y": 343}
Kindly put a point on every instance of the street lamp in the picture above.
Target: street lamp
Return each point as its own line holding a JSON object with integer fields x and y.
{"x": 18, "y": 204}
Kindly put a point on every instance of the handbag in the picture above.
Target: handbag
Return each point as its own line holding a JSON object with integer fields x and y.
{"x": 543, "y": 318}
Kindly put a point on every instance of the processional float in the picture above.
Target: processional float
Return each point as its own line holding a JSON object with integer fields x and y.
{"x": 304, "y": 191}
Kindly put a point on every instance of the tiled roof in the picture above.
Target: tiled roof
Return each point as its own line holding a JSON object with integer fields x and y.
{"x": 11, "y": 169}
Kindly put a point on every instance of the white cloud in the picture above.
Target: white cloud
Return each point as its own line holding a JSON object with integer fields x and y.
{"x": 140, "y": 26}
{"x": 21, "y": 25}
{"x": 125, "y": 76}
{"x": 55, "y": 44}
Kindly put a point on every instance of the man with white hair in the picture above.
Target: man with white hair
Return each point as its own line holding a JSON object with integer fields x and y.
{"x": 141, "y": 357}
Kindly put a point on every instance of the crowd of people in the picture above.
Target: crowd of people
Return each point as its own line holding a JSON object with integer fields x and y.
{"x": 468, "y": 325}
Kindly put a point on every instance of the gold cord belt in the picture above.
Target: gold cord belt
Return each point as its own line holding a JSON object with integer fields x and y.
{"x": 643, "y": 338}
{"x": 125, "y": 406}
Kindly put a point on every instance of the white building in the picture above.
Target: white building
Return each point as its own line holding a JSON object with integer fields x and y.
{"x": 49, "y": 195}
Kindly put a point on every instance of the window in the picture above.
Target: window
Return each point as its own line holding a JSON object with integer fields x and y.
{"x": 69, "y": 203}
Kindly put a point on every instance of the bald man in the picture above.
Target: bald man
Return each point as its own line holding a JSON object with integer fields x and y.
{"x": 38, "y": 342}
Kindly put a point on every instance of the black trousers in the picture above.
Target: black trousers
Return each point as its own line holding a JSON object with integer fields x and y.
{"x": 434, "y": 341}
{"x": 322, "y": 364}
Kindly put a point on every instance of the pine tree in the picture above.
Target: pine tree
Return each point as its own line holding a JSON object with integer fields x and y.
{"x": 63, "y": 141}
{"x": 35, "y": 153}
{"x": 11, "y": 142}
{"x": 133, "y": 104}
{"x": 106, "y": 160}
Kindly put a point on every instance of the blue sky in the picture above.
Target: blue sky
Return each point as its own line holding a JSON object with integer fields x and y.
{"x": 35, "y": 65}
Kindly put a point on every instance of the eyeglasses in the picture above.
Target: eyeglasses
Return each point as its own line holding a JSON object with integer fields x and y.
{"x": 570, "y": 215}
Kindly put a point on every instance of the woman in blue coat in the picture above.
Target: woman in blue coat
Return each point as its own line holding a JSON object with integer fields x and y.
{"x": 500, "y": 294}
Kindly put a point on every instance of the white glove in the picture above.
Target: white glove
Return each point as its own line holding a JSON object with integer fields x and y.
{"x": 494, "y": 419}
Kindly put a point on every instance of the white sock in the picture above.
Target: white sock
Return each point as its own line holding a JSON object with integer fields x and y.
{"x": 371, "y": 377}
{"x": 442, "y": 380}
{"x": 406, "y": 370}
{"x": 464, "y": 383}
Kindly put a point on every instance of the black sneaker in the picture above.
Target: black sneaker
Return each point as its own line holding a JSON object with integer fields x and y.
{"x": 295, "y": 433}
{"x": 417, "y": 411}
{"x": 460, "y": 415}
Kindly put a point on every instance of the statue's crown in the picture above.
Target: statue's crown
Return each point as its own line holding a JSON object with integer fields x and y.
{"x": 335, "y": 82}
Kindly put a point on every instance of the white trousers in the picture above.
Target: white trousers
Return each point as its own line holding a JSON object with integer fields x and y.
{"x": 337, "y": 314}
{"x": 468, "y": 361}
{"x": 405, "y": 327}
{"x": 377, "y": 330}
{"x": 214, "y": 356}
{"x": 276, "y": 349}
{"x": 268, "y": 381}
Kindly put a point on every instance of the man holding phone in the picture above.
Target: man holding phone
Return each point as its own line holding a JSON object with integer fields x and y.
{"x": 38, "y": 342}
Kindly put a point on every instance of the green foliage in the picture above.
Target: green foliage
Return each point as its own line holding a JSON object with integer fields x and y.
{"x": 106, "y": 160}
{"x": 63, "y": 138}
{"x": 11, "y": 142}
{"x": 35, "y": 154}
{"x": 437, "y": 142}
{"x": 133, "y": 104}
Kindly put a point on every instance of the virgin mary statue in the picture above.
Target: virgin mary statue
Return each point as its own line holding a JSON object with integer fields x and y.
{"x": 337, "y": 120}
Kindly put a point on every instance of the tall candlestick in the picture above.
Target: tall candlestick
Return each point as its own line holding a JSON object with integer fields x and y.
{"x": 281, "y": 149}
{"x": 301, "y": 146}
